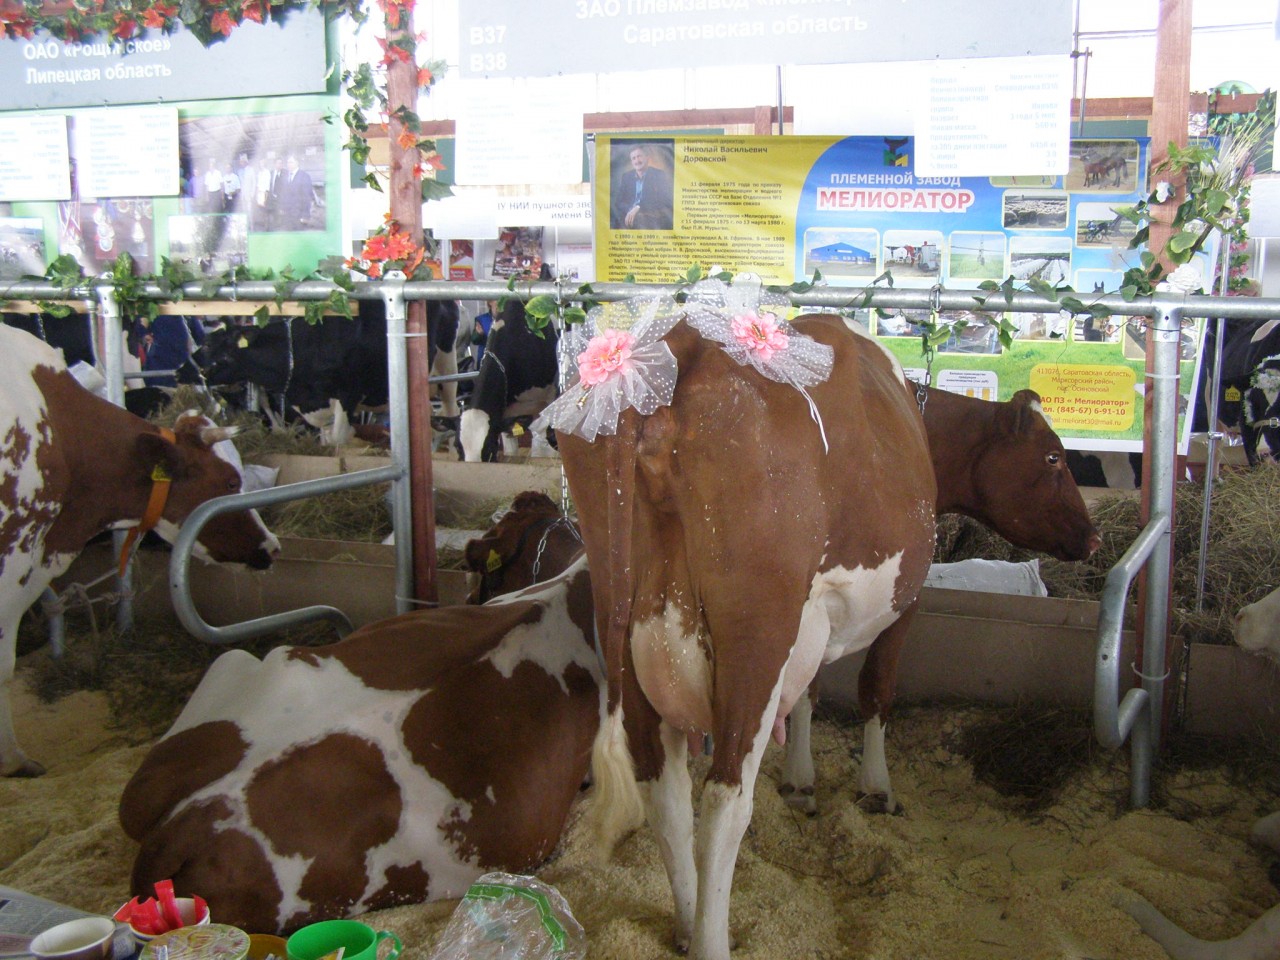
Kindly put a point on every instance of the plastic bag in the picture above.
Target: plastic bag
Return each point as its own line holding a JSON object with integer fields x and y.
{"x": 504, "y": 916}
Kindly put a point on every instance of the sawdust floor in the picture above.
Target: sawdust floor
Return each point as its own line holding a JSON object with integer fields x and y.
{"x": 964, "y": 873}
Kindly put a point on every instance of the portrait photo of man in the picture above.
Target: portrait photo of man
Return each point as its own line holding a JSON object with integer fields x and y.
{"x": 642, "y": 195}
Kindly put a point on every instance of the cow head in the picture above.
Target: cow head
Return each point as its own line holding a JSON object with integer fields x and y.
{"x": 197, "y": 473}
{"x": 530, "y": 544}
{"x": 1023, "y": 489}
{"x": 1257, "y": 626}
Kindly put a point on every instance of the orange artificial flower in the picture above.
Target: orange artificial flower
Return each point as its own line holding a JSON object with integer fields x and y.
{"x": 22, "y": 27}
{"x": 222, "y": 23}
{"x": 252, "y": 10}
{"x": 158, "y": 15}
{"x": 392, "y": 53}
{"x": 407, "y": 140}
{"x": 125, "y": 27}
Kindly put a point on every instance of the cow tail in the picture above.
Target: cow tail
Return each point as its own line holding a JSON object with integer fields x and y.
{"x": 616, "y": 809}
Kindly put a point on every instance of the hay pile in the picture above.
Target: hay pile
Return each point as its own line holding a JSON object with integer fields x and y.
{"x": 1242, "y": 562}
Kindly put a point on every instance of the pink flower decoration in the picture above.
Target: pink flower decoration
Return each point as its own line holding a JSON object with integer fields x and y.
{"x": 759, "y": 333}
{"x": 606, "y": 354}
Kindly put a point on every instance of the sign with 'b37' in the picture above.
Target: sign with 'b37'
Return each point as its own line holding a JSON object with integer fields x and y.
{"x": 510, "y": 38}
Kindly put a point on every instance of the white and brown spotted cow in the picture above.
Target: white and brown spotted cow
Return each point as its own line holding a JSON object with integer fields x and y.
{"x": 75, "y": 465}
{"x": 395, "y": 766}
{"x": 736, "y": 546}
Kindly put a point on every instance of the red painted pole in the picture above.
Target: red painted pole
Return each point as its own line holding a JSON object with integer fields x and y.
{"x": 406, "y": 207}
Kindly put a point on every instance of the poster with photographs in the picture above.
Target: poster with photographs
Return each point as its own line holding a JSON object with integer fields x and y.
{"x": 21, "y": 247}
{"x": 518, "y": 253}
{"x": 267, "y": 169}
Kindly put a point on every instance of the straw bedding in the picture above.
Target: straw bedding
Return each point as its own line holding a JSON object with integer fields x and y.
{"x": 966, "y": 872}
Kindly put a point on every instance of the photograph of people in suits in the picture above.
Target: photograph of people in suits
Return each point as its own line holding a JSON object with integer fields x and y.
{"x": 642, "y": 195}
{"x": 295, "y": 195}
{"x": 269, "y": 170}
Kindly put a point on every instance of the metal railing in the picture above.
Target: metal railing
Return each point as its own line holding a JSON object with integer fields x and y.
{"x": 180, "y": 560}
{"x": 1138, "y": 714}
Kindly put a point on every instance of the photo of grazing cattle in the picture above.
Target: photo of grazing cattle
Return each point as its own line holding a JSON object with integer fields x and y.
{"x": 1104, "y": 166}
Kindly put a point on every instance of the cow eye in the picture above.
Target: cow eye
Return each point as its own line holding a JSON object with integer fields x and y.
{"x": 1052, "y": 458}
{"x": 234, "y": 484}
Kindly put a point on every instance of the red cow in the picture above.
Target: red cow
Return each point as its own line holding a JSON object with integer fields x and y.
{"x": 74, "y": 465}
{"x": 533, "y": 542}
{"x": 395, "y": 766}
{"x": 737, "y": 546}
{"x": 1002, "y": 465}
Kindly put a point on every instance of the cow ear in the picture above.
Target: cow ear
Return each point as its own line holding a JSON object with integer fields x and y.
{"x": 475, "y": 552}
{"x": 158, "y": 456}
{"x": 1023, "y": 406}
{"x": 211, "y": 435}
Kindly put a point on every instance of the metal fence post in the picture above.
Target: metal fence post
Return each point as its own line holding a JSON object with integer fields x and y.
{"x": 392, "y": 290}
{"x": 1163, "y": 381}
{"x": 112, "y": 361}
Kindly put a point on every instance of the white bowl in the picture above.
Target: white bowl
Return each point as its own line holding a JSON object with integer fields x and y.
{"x": 186, "y": 910}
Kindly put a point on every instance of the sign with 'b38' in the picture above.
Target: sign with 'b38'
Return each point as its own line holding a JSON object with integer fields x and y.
{"x": 510, "y": 38}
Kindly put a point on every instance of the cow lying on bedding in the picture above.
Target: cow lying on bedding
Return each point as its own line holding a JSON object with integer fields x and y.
{"x": 395, "y": 766}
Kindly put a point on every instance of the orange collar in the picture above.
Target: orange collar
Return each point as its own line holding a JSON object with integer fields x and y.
{"x": 160, "y": 483}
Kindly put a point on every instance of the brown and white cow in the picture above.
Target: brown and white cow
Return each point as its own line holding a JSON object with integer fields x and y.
{"x": 531, "y": 543}
{"x": 736, "y": 546}
{"x": 1002, "y": 465}
{"x": 75, "y": 465}
{"x": 395, "y": 766}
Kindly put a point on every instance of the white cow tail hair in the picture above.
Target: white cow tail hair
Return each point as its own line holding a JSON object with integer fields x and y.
{"x": 1257, "y": 942}
{"x": 615, "y": 809}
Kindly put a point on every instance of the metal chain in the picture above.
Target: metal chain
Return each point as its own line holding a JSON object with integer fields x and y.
{"x": 926, "y": 348}
{"x": 288, "y": 380}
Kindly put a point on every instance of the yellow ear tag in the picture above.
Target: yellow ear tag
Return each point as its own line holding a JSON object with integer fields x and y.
{"x": 242, "y": 342}
{"x": 159, "y": 474}
{"x": 517, "y": 430}
{"x": 1232, "y": 395}
{"x": 493, "y": 561}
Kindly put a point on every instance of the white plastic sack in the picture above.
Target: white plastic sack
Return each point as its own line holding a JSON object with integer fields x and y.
{"x": 989, "y": 576}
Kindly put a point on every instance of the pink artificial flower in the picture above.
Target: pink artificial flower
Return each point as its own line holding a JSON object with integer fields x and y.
{"x": 606, "y": 354}
{"x": 759, "y": 333}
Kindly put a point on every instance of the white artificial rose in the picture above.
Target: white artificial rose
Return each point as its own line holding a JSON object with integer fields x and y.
{"x": 1185, "y": 279}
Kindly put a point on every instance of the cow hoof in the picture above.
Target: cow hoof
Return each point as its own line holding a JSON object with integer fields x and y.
{"x": 879, "y": 803}
{"x": 28, "y": 769}
{"x": 682, "y": 944}
{"x": 801, "y": 800}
